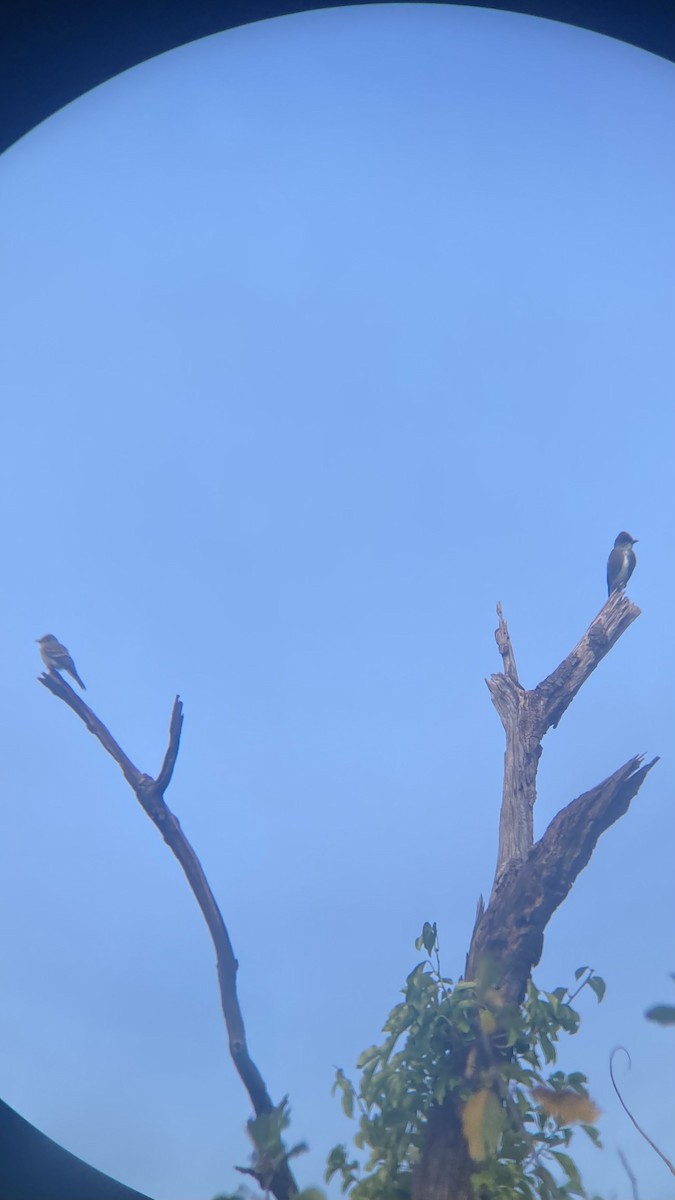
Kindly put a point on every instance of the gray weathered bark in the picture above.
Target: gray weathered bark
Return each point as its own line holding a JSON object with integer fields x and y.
{"x": 531, "y": 879}
{"x": 150, "y": 794}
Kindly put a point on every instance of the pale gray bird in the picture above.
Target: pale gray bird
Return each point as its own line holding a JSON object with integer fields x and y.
{"x": 56, "y": 657}
{"x": 621, "y": 563}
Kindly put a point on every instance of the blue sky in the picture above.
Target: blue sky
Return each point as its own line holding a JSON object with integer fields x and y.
{"x": 320, "y": 337}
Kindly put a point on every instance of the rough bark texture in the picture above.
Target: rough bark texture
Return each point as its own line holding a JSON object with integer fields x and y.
{"x": 444, "y": 1172}
{"x": 150, "y": 795}
{"x": 531, "y": 879}
{"x": 511, "y": 930}
{"x": 527, "y": 716}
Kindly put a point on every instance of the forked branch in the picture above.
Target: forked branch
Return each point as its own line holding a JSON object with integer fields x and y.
{"x": 532, "y": 879}
{"x": 150, "y": 795}
{"x": 528, "y": 715}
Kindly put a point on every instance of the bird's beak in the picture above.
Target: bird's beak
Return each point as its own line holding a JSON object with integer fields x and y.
{"x": 635, "y": 541}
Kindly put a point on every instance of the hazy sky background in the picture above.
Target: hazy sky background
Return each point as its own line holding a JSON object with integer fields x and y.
{"x": 320, "y": 337}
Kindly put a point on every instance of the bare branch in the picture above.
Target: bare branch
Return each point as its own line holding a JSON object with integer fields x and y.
{"x": 527, "y": 715}
{"x": 150, "y": 795}
{"x": 175, "y": 727}
{"x": 505, "y": 648}
{"x": 54, "y": 683}
{"x": 511, "y": 931}
{"x": 631, "y": 1175}
{"x": 555, "y": 693}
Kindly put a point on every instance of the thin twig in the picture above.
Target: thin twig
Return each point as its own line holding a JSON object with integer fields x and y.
{"x": 175, "y": 727}
{"x": 626, "y": 1109}
{"x": 573, "y": 995}
{"x": 633, "y": 1181}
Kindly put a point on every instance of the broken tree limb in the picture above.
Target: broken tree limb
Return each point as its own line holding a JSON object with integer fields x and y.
{"x": 503, "y": 641}
{"x": 527, "y": 715}
{"x": 511, "y": 930}
{"x": 150, "y": 795}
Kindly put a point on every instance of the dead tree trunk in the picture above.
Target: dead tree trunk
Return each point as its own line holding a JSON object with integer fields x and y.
{"x": 531, "y": 878}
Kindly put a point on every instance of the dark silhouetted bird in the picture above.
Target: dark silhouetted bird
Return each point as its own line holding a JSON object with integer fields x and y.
{"x": 621, "y": 563}
{"x": 56, "y": 657}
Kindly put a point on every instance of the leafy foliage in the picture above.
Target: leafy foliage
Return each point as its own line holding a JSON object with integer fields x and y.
{"x": 463, "y": 1042}
{"x": 270, "y": 1153}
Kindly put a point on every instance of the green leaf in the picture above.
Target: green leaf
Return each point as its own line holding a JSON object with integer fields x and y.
{"x": 593, "y": 1134}
{"x": 663, "y": 1014}
{"x": 399, "y": 1019}
{"x": 548, "y": 1048}
{"x": 370, "y": 1055}
{"x": 581, "y": 971}
{"x": 340, "y": 1079}
{"x": 552, "y": 1189}
{"x": 337, "y": 1158}
{"x": 429, "y": 936}
{"x": 598, "y": 985}
{"x": 575, "y": 1079}
{"x": 569, "y": 1167}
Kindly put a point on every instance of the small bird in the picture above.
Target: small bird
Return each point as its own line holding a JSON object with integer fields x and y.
{"x": 56, "y": 657}
{"x": 621, "y": 563}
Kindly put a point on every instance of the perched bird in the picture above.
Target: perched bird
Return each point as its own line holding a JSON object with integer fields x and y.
{"x": 56, "y": 657}
{"x": 621, "y": 563}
